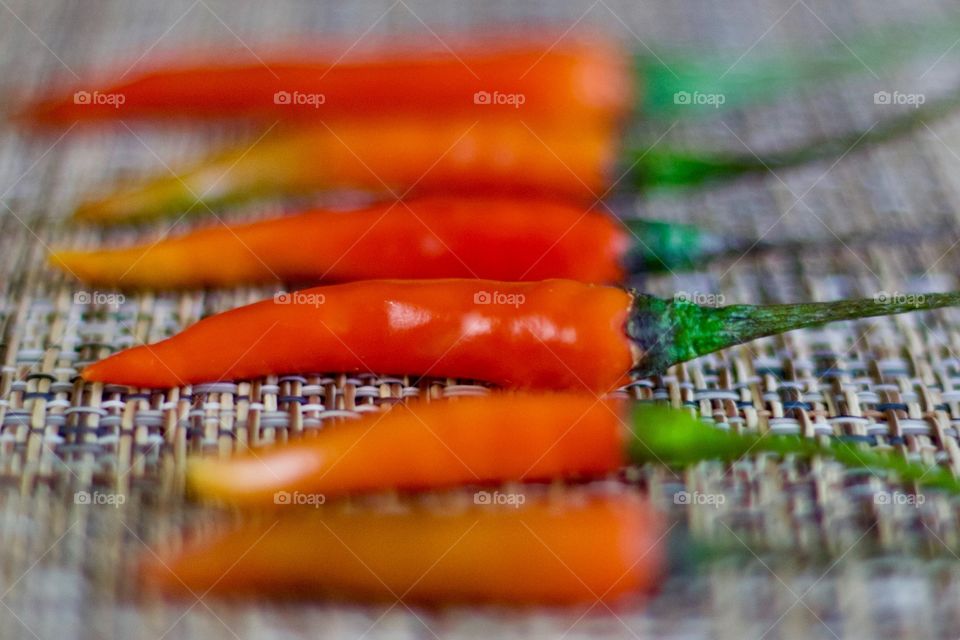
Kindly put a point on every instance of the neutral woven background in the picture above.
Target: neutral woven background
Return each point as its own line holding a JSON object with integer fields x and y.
{"x": 812, "y": 554}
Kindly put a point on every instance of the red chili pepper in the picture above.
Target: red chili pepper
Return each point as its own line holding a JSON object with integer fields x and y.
{"x": 572, "y": 548}
{"x": 390, "y": 157}
{"x": 538, "y": 77}
{"x": 519, "y": 239}
{"x": 549, "y": 74}
{"x": 512, "y": 333}
{"x": 553, "y": 334}
{"x": 494, "y": 238}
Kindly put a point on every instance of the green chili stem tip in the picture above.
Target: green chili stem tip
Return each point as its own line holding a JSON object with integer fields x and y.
{"x": 676, "y": 438}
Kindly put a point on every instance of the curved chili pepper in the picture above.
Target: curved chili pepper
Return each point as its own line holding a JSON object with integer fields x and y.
{"x": 389, "y": 157}
{"x": 554, "y": 334}
{"x": 537, "y": 77}
{"x": 433, "y": 237}
{"x": 504, "y": 438}
{"x": 575, "y": 547}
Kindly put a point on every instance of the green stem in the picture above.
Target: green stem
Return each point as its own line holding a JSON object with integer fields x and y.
{"x": 665, "y": 246}
{"x": 676, "y": 438}
{"x": 670, "y": 331}
{"x": 668, "y": 78}
{"x": 660, "y": 246}
{"x": 669, "y": 168}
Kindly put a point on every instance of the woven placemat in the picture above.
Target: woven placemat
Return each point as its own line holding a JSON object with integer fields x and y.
{"x": 815, "y": 552}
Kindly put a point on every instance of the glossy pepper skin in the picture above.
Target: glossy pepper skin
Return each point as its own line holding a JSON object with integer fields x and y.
{"x": 553, "y": 334}
{"x": 432, "y": 237}
{"x": 429, "y": 445}
{"x": 558, "y": 78}
{"x": 388, "y": 157}
{"x": 573, "y": 548}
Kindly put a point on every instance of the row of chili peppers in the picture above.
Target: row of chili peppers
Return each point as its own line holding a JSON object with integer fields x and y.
{"x": 564, "y": 330}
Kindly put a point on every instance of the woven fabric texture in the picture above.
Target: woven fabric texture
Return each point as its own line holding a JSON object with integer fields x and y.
{"x": 813, "y": 552}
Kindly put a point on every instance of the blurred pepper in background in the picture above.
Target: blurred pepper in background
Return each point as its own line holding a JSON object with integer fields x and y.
{"x": 575, "y": 546}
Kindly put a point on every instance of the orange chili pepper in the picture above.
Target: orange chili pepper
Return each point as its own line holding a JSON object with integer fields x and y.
{"x": 387, "y": 156}
{"x": 554, "y": 334}
{"x": 434, "y": 237}
{"x": 505, "y": 438}
{"x": 427, "y": 445}
{"x": 540, "y": 77}
{"x": 575, "y": 547}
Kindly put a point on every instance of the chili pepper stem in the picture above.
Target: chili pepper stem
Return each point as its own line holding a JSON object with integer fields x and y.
{"x": 671, "y": 331}
{"x": 672, "y": 80}
{"x": 666, "y": 246}
{"x": 661, "y": 435}
{"x": 669, "y": 168}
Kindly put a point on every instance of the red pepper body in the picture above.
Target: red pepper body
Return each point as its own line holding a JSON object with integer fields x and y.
{"x": 441, "y": 237}
{"x": 574, "y": 548}
{"x": 551, "y": 78}
{"x": 428, "y": 445}
{"x": 554, "y": 334}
